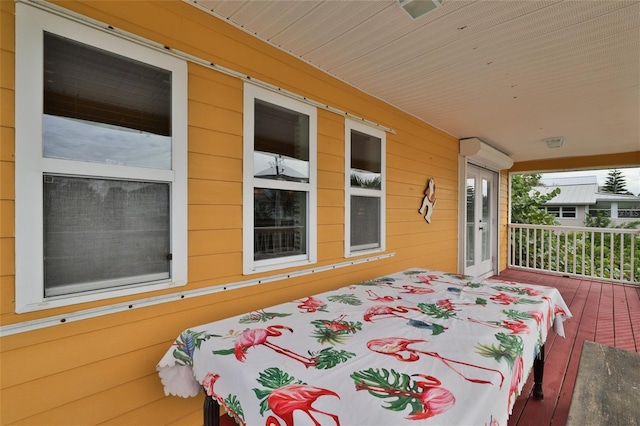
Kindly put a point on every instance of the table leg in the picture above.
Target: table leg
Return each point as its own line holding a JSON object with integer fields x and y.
{"x": 538, "y": 372}
{"x": 211, "y": 411}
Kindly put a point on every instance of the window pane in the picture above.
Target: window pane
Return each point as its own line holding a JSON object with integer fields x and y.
{"x": 555, "y": 211}
{"x": 280, "y": 222}
{"x": 281, "y": 143}
{"x": 471, "y": 220}
{"x": 102, "y": 107}
{"x": 365, "y": 223}
{"x": 104, "y": 233}
{"x": 366, "y": 161}
{"x": 486, "y": 220}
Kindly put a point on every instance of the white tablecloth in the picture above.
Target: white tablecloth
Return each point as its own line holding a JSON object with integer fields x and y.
{"x": 418, "y": 346}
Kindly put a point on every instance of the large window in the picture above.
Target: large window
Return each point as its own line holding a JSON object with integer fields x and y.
{"x": 365, "y": 189}
{"x": 279, "y": 181}
{"x": 100, "y": 164}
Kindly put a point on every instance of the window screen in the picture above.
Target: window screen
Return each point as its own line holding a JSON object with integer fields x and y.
{"x": 101, "y": 233}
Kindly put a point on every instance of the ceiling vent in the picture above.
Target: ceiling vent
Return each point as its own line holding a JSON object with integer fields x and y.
{"x": 555, "y": 142}
{"x": 417, "y": 8}
{"x": 484, "y": 155}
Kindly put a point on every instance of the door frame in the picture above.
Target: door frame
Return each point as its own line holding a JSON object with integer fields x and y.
{"x": 464, "y": 163}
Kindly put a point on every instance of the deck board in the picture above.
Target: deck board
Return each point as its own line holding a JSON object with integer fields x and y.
{"x": 606, "y": 313}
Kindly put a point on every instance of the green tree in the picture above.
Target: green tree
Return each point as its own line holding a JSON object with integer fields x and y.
{"x": 526, "y": 201}
{"x": 615, "y": 183}
{"x": 597, "y": 221}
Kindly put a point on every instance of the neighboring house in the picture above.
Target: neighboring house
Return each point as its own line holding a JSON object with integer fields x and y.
{"x": 580, "y": 197}
{"x": 162, "y": 168}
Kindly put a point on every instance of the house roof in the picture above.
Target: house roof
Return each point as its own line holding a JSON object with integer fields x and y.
{"x": 510, "y": 73}
{"x": 577, "y": 191}
{"x": 575, "y": 195}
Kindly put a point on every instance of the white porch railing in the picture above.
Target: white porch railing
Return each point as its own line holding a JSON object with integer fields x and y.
{"x": 609, "y": 254}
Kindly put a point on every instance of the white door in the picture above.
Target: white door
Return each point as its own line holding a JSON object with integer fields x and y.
{"x": 481, "y": 231}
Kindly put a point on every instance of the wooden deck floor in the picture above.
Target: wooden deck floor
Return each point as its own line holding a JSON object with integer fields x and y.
{"x": 605, "y": 313}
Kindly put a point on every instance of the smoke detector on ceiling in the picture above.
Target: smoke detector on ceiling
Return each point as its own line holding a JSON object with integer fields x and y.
{"x": 417, "y": 8}
{"x": 555, "y": 142}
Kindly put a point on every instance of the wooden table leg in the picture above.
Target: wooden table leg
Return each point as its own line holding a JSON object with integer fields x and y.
{"x": 538, "y": 372}
{"x": 211, "y": 411}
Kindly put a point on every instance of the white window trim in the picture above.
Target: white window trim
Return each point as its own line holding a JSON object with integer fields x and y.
{"x": 250, "y": 266}
{"x": 349, "y": 191}
{"x": 30, "y": 164}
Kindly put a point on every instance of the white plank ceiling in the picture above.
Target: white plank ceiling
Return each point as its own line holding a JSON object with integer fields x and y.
{"x": 511, "y": 73}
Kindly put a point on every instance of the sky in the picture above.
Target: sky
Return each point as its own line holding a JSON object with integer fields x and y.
{"x": 631, "y": 176}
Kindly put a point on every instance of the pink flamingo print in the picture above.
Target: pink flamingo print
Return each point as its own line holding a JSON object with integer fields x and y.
{"x": 398, "y": 347}
{"x": 383, "y": 310}
{"x": 412, "y": 289}
{"x": 434, "y": 399}
{"x": 258, "y": 336}
{"x": 377, "y": 298}
{"x": 339, "y": 324}
{"x": 504, "y": 299}
{"x": 287, "y": 399}
{"x": 516, "y": 377}
{"x": 426, "y": 279}
{"x": 207, "y": 383}
{"x": 537, "y": 315}
{"x": 311, "y": 304}
{"x": 516, "y": 326}
{"x": 451, "y": 306}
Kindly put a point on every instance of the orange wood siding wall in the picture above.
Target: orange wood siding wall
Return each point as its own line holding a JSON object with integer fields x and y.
{"x": 102, "y": 370}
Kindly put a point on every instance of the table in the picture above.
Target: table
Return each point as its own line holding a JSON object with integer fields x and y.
{"x": 417, "y": 346}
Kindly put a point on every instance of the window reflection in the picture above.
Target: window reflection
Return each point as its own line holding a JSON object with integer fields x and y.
{"x": 103, "y": 107}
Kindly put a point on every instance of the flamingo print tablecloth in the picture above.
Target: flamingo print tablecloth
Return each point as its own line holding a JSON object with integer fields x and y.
{"x": 415, "y": 347}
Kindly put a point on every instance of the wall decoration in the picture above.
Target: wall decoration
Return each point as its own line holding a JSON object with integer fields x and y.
{"x": 429, "y": 200}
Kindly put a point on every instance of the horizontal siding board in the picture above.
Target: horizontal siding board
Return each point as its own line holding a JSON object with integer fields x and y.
{"x": 215, "y": 217}
{"x": 210, "y": 266}
{"x": 7, "y": 115}
{"x": 7, "y": 67}
{"x": 331, "y": 163}
{"x": 7, "y": 219}
{"x": 330, "y": 180}
{"x": 172, "y": 410}
{"x": 210, "y": 167}
{"x": 100, "y": 407}
{"x": 211, "y": 142}
{"x": 331, "y": 145}
{"x": 332, "y": 251}
{"x": 331, "y": 197}
{"x": 7, "y": 27}
{"x": 214, "y": 241}
{"x": 7, "y": 283}
{"x": 214, "y": 192}
{"x": 7, "y": 147}
{"x": 213, "y": 117}
{"x": 205, "y": 87}
{"x": 7, "y": 266}
{"x": 331, "y": 233}
{"x": 76, "y": 383}
{"x": 330, "y": 215}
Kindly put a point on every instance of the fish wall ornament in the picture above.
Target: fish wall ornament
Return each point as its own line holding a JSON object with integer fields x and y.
{"x": 429, "y": 200}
